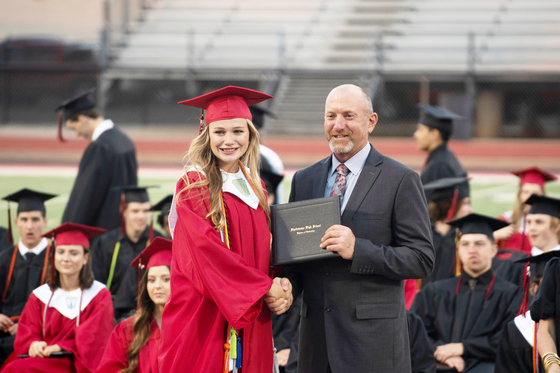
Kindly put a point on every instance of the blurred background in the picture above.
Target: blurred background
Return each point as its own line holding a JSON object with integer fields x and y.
{"x": 495, "y": 62}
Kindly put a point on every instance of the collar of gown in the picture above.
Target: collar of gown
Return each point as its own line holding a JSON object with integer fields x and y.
{"x": 67, "y": 302}
{"x": 536, "y": 251}
{"x": 36, "y": 250}
{"x": 526, "y": 327}
{"x": 106, "y": 125}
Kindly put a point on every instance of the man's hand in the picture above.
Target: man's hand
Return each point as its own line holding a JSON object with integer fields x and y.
{"x": 5, "y": 322}
{"x": 283, "y": 356}
{"x": 37, "y": 349}
{"x": 279, "y": 298}
{"x": 50, "y": 349}
{"x": 13, "y": 329}
{"x": 444, "y": 352}
{"x": 340, "y": 239}
{"x": 456, "y": 362}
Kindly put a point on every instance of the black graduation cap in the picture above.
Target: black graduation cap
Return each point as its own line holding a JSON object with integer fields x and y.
{"x": 544, "y": 205}
{"x": 271, "y": 180}
{"x": 27, "y": 200}
{"x": 538, "y": 262}
{"x": 164, "y": 206}
{"x": 478, "y": 224}
{"x": 444, "y": 189}
{"x": 258, "y": 114}
{"x": 134, "y": 193}
{"x": 73, "y": 106}
{"x": 438, "y": 118}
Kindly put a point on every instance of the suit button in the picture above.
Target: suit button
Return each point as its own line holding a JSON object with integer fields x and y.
{"x": 328, "y": 310}
{"x": 327, "y": 273}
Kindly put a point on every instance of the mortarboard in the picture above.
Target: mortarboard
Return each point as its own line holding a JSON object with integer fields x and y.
{"x": 258, "y": 113}
{"x": 444, "y": 189}
{"x": 73, "y": 234}
{"x": 534, "y": 175}
{"x": 478, "y": 224}
{"x": 271, "y": 180}
{"x": 157, "y": 253}
{"x": 544, "y": 205}
{"x": 73, "y": 106}
{"x": 438, "y": 118}
{"x": 164, "y": 206}
{"x": 27, "y": 200}
{"x": 227, "y": 103}
{"x": 132, "y": 193}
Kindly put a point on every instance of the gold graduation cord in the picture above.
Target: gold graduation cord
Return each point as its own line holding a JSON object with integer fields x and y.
{"x": 114, "y": 263}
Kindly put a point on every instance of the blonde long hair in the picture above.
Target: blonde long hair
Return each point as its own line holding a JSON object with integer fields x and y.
{"x": 200, "y": 155}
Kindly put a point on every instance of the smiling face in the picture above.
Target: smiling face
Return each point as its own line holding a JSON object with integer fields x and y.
{"x": 476, "y": 251}
{"x": 30, "y": 225}
{"x": 542, "y": 233}
{"x": 229, "y": 140}
{"x": 348, "y": 121}
{"x": 159, "y": 284}
{"x": 70, "y": 259}
{"x": 137, "y": 216}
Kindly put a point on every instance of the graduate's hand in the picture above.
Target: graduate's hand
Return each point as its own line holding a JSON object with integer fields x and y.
{"x": 50, "y": 349}
{"x": 444, "y": 352}
{"x": 504, "y": 233}
{"x": 37, "y": 349}
{"x": 13, "y": 329}
{"x": 5, "y": 322}
{"x": 283, "y": 356}
{"x": 456, "y": 362}
{"x": 279, "y": 298}
{"x": 340, "y": 239}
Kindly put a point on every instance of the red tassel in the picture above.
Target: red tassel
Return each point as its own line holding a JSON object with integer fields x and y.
{"x": 452, "y": 210}
{"x": 60, "y": 138}
{"x": 52, "y": 259}
{"x": 122, "y": 207}
{"x": 10, "y": 235}
{"x": 151, "y": 234}
{"x": 139, "y": 280}
{"x": 525, "y": 304}
{"x": 201, "y": 126}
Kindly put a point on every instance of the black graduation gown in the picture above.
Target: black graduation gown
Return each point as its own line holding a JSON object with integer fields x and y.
{"x": 4, "y": 244}
{"x": 108, "y": 162}
{"x": 441, "y": 163}
{"x": 515, "y": 354}
{"x": 102, "y": 249}
{"x": 421, "y": 350}
{"x": 285, "y": 326}
{"x": 546, "y": 303}
{"x": 26, "y": 277}
{"x": 468, "y": 318}
{"x": 504, "y": 266}
{"x": 446, "y": 253}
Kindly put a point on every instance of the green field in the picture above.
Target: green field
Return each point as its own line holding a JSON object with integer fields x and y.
{"x": 489, "y": 195}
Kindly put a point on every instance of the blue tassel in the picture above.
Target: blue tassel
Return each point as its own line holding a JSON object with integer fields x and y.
{"x": 238, "y": 360}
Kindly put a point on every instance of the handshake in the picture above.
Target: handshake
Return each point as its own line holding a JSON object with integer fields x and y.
{"x": 279, "y": 298}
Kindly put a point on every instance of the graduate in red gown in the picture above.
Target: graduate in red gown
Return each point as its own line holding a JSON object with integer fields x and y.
{"x": 72, "y": 316}
{"x": 133, "y": 345}
{"x": 215, "y": 317}
{"x": 514, "y": 237}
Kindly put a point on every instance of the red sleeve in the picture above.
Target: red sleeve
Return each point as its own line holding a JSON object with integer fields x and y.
{"x": 410, "y": 290}
{"x": 219, "y": 274}
{"x": 92, "y": 335}
{"x": 30, "y": 328}
{"x": 114, "y": 359}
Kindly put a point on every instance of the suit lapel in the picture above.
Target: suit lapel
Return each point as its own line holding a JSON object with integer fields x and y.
{"x": 320, "y": 177}
{"x": 367, "y": 178}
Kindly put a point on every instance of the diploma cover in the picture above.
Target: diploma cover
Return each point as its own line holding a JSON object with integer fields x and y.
{"x": 297, "y": 229}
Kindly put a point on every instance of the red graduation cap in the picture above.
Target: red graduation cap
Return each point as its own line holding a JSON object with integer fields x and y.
{"x": 73, "y": 234}
{"x": 157, "y": 253}
{"x": 534, "y": 175}
{"x": 227, "y": 103}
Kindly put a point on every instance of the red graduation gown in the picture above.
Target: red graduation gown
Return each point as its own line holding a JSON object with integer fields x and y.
{"x": 212, "y": 285}
{"x": 87, "y": 341}
{"x": 517, "y": 241}
{"x": 114, "y": 359}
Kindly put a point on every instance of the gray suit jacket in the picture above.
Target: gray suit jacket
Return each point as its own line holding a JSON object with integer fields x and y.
{"x": 353, "y": 315}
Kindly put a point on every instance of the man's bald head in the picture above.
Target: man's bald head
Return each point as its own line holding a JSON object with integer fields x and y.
{"x": 358, "y": 92}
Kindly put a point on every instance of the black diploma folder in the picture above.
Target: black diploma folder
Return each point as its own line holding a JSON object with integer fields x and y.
{"x": 297, "y": 229}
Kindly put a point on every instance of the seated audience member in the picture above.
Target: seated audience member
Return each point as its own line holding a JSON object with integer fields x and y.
{"x": 23, "y": 268}
{"x": 516, "y": 351}
{"x": 71, "y": 316}
{"x": 464, "y": 316}
{"x": 113, "y": 252}
{"x": 133, "y": 345}
{"x": 164, "y": 207}
{"x": 448, "y": 199}
{"x": 514, "y": 236}
{"x": 543, "y": 224}
{"x": 421, "y": 350}
{"x": 545, "y": 310}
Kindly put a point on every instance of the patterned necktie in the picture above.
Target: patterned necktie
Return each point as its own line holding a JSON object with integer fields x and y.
{"x": 340, "y": 183}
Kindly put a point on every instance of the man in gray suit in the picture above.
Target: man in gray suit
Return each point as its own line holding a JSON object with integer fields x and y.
{"x": 353, "y": 316}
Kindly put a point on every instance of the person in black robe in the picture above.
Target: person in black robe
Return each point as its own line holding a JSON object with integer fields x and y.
{"x": 4, "y": 241}
{"x": 506, "y": 265}
{"x": 421, "y": 350}
{"x": 465, "y": 316}
{"x": 448, "y": 199}
{"x": 109, "y": 161}
{"x": 120, "y": 246}
{"x": 23, "y": 268}
{"x": 433, "y": 131}
{"x": 285, "y": 329}
{"x": 515, "y": 352}
{"x": 164, "y": 207}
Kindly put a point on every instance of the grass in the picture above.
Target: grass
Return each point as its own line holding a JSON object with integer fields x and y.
{"x": 489, "y": 196}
